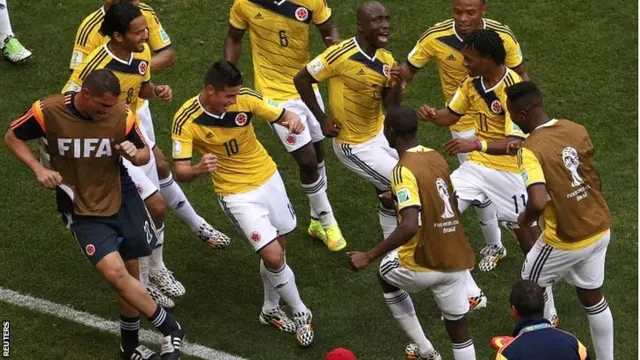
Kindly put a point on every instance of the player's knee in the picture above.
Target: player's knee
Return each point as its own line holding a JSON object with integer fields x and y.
{"x": 386, "y": 287}
{"x": 115, "y": 275}
{"x": 272, "y": 255}
{"x": 156, "y": 207}
{"x": 589, "y": 297}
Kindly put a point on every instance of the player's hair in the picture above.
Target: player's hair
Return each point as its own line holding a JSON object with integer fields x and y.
{"x": 102, "y": 81}
{"x": 118, "y": 18}
{"x": 403, "y": 120}
{"x": 487, "y": 43}
{"x": 223, "y": 74}
{"x": 525, "y": 94}
{"x": 528, "y": 299}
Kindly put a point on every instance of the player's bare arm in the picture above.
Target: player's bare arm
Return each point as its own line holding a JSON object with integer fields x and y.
{"x": 149, "y": 90}
{"x": 136, "y": 156}
{"x": 163, "y": 59}
{"x": 185, "y": 172}
{"x": 407, "y": 228}
{"x": 329, "y": 32}
{"x": 521, "y": 71}
{"x": 233, "y": 45}
{"x": 392, "y": 95}
{"x": 20, "y": 149}
{"x": 502, "y": 147}
{"x": 304, "y": 84}
{"x": 441, "y": 117}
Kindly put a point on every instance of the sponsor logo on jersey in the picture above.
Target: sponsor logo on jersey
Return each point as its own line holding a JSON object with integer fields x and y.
{"x": 142, "y": 67}
{"x": 84, "y": 148}
{"x": 177, "y": 147}
{"x": 90, "y": 249}
{"x": 496, "y": 107}
{"x": 302, "y": 14}
{"x": 315, "y": 66}
{"x": 255, "y": 236}
{"x": 403, "y": 196}
{"x": 76, "y": 58}
{"x": 164, "y": 36}
{"x": 241, "y": 119}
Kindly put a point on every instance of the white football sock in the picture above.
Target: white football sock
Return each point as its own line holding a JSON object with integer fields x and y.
{"x": 319, "y": 202}
{"x": 271, "y": 296}
{"x": 549, "y": 303}
{"x": 157, "y": 263}
{"x": 601, "y": 326}
{"x": 284, "y": 281}
{"x": 143, "y": 268}
{"x": 470, "y": 284}
{"x": 401, "y": 307}
{"x": 388, "y": 220}
{"x": 488, "y": 216}
{"x": 177, "y": 200}
{"x": 5, "y": 23}
{"x": 464, "y": 351}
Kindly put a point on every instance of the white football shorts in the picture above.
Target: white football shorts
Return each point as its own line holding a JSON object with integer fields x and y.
{"x": 312, "y": 129}
{"x": 372, "y": 160}
{"x": 261, "y": 214}
{"x": 583, "y": 268}
{"x": 448, "y": 288}
{"x": 478, "y": 184}
{"x": 146, "y": 123}
{"x": 468, "y": 135}
{"x": 145, "y": 177}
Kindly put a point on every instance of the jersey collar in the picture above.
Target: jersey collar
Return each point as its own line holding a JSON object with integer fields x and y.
{"x": 484, "y": 26}
{"x": 506, "y": 72}
{"x": 117, "y": 58}
{"x": 217, "y": 116}
{"x": 547, "y": 124}
{"x": 372, "y": 59}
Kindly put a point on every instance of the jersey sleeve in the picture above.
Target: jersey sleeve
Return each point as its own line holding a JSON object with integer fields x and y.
{"x": 420, "y": 54}
{"x": 182, "y": 139}
{"x": 405, "y": 188}
{"x": 459, "y": 103}
{"x": 30, "y": 125}
{"x": 266, "y": 109}
{"x": 321, "y": 12}
{"x": 530, "y": 168}
{"x": 158, "y": 37}
{"x": 132, "y": 130}
{"x": 514, "y": 52}
{"x": 237, "y": 19}
{"x": 319, "y": 68}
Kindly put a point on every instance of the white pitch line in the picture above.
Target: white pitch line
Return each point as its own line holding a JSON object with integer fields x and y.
{"x": 90, "y": 320}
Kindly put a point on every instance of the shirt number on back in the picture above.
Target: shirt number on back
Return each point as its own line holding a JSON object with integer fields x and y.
{"x": 231, "y": 147}
{"x": 284, "y": 41}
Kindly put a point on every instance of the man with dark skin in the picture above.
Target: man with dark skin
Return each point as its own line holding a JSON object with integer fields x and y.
{"x": 279, "y": 33}
{"x": 361, "y": 83}
{"x": 556, "y": 161}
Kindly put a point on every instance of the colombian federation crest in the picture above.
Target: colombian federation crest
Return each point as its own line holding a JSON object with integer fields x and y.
{"x": 385, "y": 70}
{"x": 302, "y": 14}
{"x": 142, "y": 67}
{"x": 255, "y": 236}
{"x": 90, "y": 249}
{"x": 241, "y": 119}
{"x": 291, "y": 139}
{"x": 496, "y": 107}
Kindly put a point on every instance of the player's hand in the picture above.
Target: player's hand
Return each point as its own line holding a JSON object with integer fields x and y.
{"x": 164, "y": 92}
{"x": 513, "y": 147}
{"x": 127, "y": 150}
{"x": 386, "y": 196}
{"x": 330, "y": 127}
{"x": 359, "y": 260}
{"x": 426, "y": 113}
{"x": 330, "y": 40}
{"x": 521, "y": 220}
{"x": 48, "y": 178}
{"x": 208, "y": 164}
{"x": 460, "y": 146}
{"x": 293, "y": 123}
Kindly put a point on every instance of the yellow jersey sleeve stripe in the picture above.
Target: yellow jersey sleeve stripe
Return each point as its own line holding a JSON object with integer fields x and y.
{"x": 183, "y": 116}
{"x": 509, "y": 80}
{"x": 88, "y": 27}
{"x": 436, "y": 28}
{"x": 343, "y": 50}
{"x": 251, "y": 92}
{"x": 502, "y": 29}
{"x": 338, "y": 48}
{"x": 397, "y": 175}
{"x": 93, "y": 63}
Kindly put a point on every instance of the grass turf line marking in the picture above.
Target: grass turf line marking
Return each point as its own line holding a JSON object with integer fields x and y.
{"x": 86, "y": 319}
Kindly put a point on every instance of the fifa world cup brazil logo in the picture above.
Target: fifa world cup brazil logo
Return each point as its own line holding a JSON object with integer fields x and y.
{"x": 443, "y": 191}
{"x": 571, "y": 162}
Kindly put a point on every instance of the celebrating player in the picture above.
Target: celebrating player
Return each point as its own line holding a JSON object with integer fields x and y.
{"x": 217, "y": 123}
{"x": 90, "y": 131}
{"x": 279, "y": 34}
{"x": 428, "y": 249}
{"x": 360, "y": 83}
{"x": 557, "y": 166}
{"x": 128, "y": 55}
{"x": 489, "y": 176}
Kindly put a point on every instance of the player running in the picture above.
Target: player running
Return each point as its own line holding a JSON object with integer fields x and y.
{"x": 489, "y": 175}
{"x": 217, "y": 123}
{"x": 556, "y": 161}
{"x": 279, "y": 32}
{"x": 128, "y": 56}
{"x": 428, "y": 249}
{"x": 443, "y": 42}
{"x": 360, "y": 83}
{"x": 90, "y": 131}
{"x": 88, "y": 38}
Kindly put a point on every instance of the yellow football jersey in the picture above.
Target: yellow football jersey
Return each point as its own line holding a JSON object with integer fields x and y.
{"x": 532, "y": 174}
{"x": 488, "y": 109}
{"x": 441, "y": 43}
{"x": 406, "y": 194}
{"x": 88, "y": 36}
{"x": 132, "y": 72}
{"x": 279, "y": 32}
{"x": 356, "y": 84}
{"x": 243, "y": 163}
